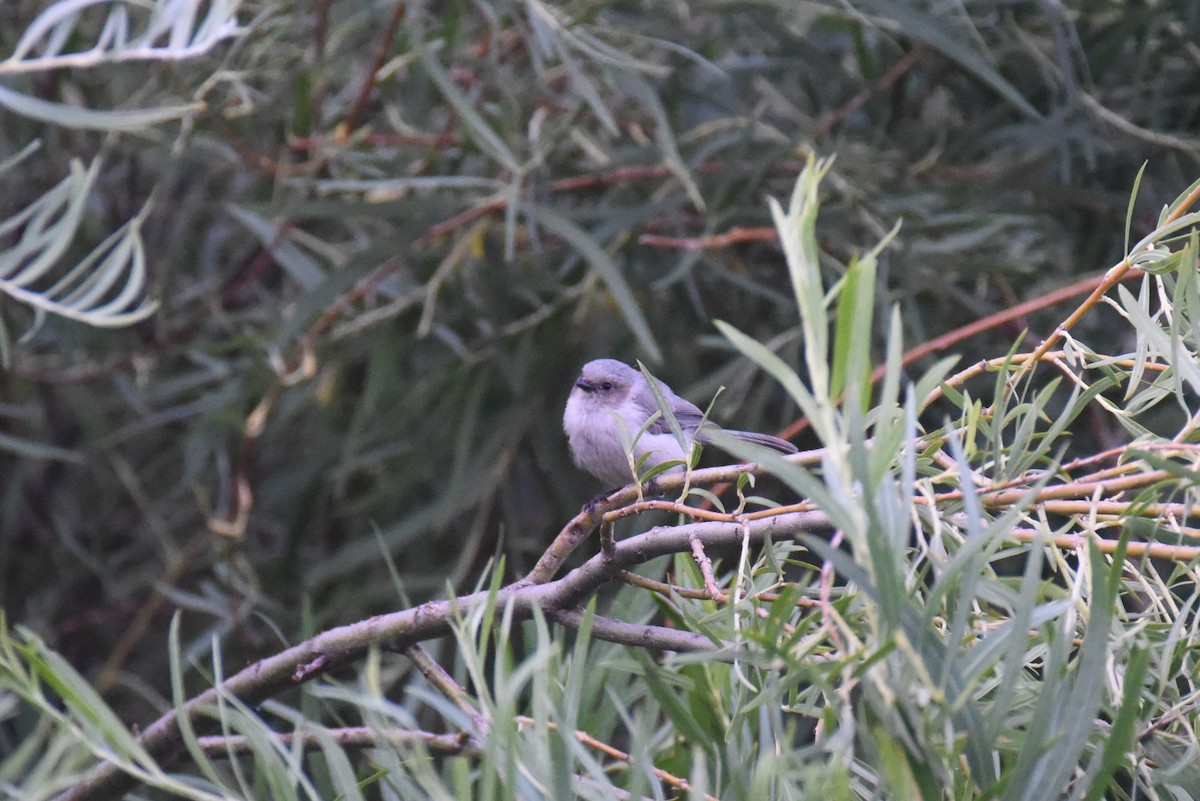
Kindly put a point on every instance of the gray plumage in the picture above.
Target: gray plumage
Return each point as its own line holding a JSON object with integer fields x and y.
{"x": 606, "y": 387}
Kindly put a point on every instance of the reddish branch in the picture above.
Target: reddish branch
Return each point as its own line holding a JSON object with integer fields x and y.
{"x": 889, "y": 79}
{"x": 734, "y": 236}
{"x": 1122, "y": 271}
{"x": 359, "y": 109}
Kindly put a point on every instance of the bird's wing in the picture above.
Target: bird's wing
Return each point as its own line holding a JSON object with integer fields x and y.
{"x": 690, "y": 417}
{"x": 686, "y": 413}
{"x": 689, "y": 420}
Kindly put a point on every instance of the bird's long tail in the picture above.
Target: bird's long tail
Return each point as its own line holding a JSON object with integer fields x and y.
{"x": 781, "y": 445}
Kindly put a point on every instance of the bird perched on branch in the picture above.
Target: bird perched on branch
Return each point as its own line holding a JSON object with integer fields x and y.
{"x": 610, "y": 396}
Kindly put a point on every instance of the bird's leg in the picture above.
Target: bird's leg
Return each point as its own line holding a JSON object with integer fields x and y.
{"x": 654, "y": 490}
{"x": 592, "y": 507}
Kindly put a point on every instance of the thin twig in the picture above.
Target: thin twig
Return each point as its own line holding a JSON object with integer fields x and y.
{"x": 348, "y": 737}
{"x": 1133, "y": 549}
{"x": 1122, "y": 271}
{"x": 824, "y": 592}
{"x": 886, "y": 81}
{"x": 706, "y": 571}
{"x": 615, "y": 753}
{"x": 734, "y": 236}
{"x": 359, "y": 109}
{"x": 436, "y": 675}
{"x": 637, "y": 635}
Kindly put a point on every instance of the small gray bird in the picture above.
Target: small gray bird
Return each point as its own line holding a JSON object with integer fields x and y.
{"x": 607, "y": 387}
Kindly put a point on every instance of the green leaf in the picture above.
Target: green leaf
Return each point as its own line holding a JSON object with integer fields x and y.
{"x": 476, "y": 127}
{"x": 606, "y": 267}
{"x": 758, "y": 353}
{"x": 941, "y": 33}
{"x": 664, "y": 407}
{"x": 798, "y": 235}
{"x": 1137, "y": 182}
{"x": 1123, "y": 730}
{"x": 851, "y": 367}
{"x": 81, "y": 700}
{"x": 28, "y": 449}
{"x": 87, "y": 119}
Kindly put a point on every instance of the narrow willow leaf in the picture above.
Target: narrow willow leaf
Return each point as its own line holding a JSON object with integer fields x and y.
{"x": 557, "y": 39}
{"x": 47, "y": 227}
{"x": 1137, "y": 182}
{"x": 941, "y": 33}
{"x": 851, "y": 366}
{"x": 183, "y": 715}
{"x": 1076, "y": 405}
{"x": 81, "y": 700}
{"x": 680, "y": 714}
{"x": 28, "y": 449}
{"x": 1163, "y": 233}
{"x": 474, "y": 124}
{"x": 300, "y": 265}
{"x": 1184, "y": 369}
{"x": 709, "y": 497}
{"x": 119, "y": 258}
{"x": 20, "y": 155}
{"x": 576, "y": 35}
{"x": 341, "y": 771}
{"x": 1124, "y": 728}
{"x": 934, "y": 377}
{"x": 1182, "y": 200}
{"x": 1025, "y": 417}
{"x": 74, "y": 117}
{"x": 664, "y": 137}
{"x": 798, "y": 235}
{"x": 657, "y": 470}
{"x": 818, "y": 414}
{"x": 664, "y": 406}
{"x": 5, "y": 346}
{"x": 56, "y": 27}
{"x": 607, "y": 268}
{"x": 889, "y": 387}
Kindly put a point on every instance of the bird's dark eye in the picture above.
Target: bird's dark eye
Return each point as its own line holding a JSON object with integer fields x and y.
{"x": 606, "y": 386}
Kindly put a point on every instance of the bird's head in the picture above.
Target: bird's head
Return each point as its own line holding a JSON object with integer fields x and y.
{"x": 605, "y": 382}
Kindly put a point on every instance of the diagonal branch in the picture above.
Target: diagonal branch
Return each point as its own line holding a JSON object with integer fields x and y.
{"x": 400, "y": 630}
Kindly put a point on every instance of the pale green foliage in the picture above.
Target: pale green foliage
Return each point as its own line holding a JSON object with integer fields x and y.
{"x": 929, "y": 669}
{"x": 105, "y": 288}
{"x": 155, "y": 31}
{"x": 505, "y": 162}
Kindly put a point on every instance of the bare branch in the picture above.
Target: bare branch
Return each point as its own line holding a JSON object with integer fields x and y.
{"x": 400, "y": 630}
{"x": 637, "y": 635}
{"x": 432, "y": 670}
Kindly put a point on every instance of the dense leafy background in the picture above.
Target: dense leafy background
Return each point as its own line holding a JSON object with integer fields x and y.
{"x": 430, "y": 427}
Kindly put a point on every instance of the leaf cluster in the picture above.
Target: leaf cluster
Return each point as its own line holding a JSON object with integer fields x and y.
{"x": 379, "y": 240}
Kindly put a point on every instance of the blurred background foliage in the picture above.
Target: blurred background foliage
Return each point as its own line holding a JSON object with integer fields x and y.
{"x": 488, "y": 195}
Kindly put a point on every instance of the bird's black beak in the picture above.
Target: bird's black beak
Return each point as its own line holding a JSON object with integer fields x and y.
{"x": 583, "y": 384}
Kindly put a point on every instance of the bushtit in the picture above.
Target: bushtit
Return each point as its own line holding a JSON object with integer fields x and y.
{"x": 608, "y": 389}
